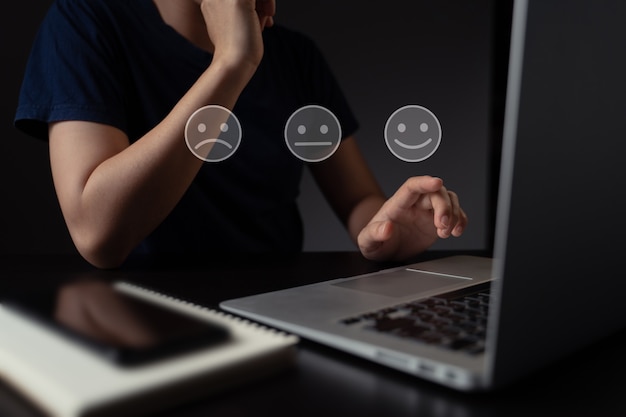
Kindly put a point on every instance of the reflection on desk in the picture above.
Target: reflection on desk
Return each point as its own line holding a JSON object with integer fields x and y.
{"x": 329, "y": 383}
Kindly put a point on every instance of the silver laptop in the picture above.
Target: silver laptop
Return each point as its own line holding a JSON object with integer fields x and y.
{"x": 555, "y": 282}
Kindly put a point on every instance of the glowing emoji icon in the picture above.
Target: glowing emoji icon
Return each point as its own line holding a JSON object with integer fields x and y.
{"x": 313, "y": 133}
{"x": 413, "y": 133}
{"x": 213, "y": 133}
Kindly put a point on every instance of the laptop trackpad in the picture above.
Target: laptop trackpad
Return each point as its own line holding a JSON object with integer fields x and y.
{"x": 402, "y": 283}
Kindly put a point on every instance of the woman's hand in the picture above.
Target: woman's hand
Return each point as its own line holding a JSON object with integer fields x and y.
{"x": 421, "y": 211}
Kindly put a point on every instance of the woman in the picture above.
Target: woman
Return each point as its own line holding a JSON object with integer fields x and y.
{"x": 112, "y": 83}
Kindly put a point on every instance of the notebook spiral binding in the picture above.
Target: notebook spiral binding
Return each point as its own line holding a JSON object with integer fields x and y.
{"x": 197, "y": 310}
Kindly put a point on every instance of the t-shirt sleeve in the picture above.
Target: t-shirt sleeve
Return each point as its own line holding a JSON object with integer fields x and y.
{"x": 72, "y": 72}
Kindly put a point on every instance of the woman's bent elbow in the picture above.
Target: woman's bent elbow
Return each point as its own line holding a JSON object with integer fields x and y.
{"x": 100, "y": 252}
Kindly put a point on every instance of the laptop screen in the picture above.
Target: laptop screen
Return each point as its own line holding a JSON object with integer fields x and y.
{"x": 557, "y": 246}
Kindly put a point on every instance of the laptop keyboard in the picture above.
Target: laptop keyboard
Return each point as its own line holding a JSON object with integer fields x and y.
{"x": 456, "y": 321}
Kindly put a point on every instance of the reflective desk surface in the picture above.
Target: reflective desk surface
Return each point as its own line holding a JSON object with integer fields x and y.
{"x": 325, "y": 382}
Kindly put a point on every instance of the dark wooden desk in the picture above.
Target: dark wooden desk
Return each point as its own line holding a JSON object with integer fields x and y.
{"x": 325, "y": 382}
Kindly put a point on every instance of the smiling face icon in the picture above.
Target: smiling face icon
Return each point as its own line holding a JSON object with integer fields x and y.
{"x": 213, "y": 133}
{"x": 313, "y": 133}
{"x": 413, "y": 133}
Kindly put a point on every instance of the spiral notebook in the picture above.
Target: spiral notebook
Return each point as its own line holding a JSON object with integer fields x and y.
{"x": 64, "y": 379}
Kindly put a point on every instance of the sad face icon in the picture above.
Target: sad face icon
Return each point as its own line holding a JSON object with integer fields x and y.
{"x": 213, "y": 133}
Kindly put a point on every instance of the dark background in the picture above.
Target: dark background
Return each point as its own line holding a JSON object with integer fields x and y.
{"x": 434, "y": 53}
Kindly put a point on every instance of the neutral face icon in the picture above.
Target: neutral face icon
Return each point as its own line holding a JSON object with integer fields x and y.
{"x": 313, "y": 133}
{"x": 213, "y": 133}
{"x": 413, "y": 133}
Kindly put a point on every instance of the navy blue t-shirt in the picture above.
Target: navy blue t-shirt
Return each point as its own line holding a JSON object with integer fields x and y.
{"x": 116, "y": 62}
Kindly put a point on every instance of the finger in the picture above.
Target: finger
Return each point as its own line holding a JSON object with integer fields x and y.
{"x": 373, "y": 237}
{"x": 454, "y": 220}
{"x": 266, "y": 8}
{"x": 461, "y": 225}
{"x": 455, "y": 211}
{"x": 265, "y": 21}
{"x": 445, "y": 215}
{"x": 414, "y": 188}
{"x": 459, "y": 218}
